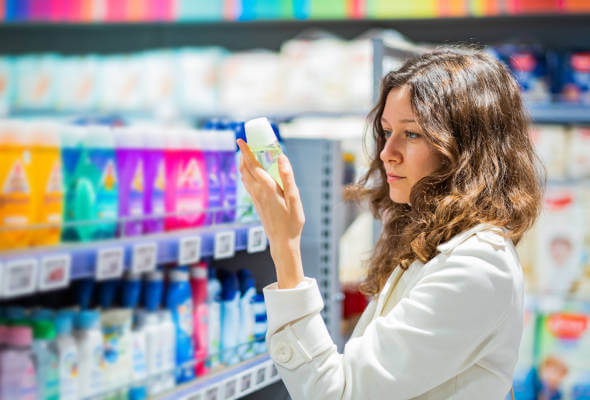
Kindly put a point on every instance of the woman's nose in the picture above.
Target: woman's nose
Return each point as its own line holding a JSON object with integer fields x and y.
{"x": 391, "y": 151}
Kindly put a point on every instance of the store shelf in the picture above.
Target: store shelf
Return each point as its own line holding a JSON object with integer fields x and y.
{"x": 560, "y": 113}
{"x": 231, "y": 383}
{"x": 32, "y": 269}
{"x": 19, "y": 38}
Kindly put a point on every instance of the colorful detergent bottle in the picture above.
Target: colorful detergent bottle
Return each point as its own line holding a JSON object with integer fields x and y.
{"x": 227, "y": 175}
{"x": 200, "y": 316}
{"x": 180, "y": 303}
{"x": 131, "y": 172}
{"x": 186, "y": 181}
{"x": 211, "y": 157}
{"x": 16, "y": 186}
{"x": 155, "y": 180}
{"x": 90, "y": 175}
{"x": 18, "y": 379}
{"x": 47, "y": 183}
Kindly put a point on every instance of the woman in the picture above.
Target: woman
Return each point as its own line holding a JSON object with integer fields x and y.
{"x": 456, "y": 183}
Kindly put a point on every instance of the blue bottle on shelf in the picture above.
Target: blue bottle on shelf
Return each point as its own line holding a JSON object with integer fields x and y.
{"x": 247, "y": 320}
{"x": 230, "y": 319}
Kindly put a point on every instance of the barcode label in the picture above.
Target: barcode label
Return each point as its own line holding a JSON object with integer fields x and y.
{"x": 189, "y": 250}
{"x": 145, "y": 256}
{"x": 109, "y": 263}
{"x": 225, "y": 244}
{"x": 256, "y": 239}
{"x": 55, "y": 271}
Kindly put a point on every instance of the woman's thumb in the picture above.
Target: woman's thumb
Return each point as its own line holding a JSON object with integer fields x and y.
{"x": 288, "y": 180}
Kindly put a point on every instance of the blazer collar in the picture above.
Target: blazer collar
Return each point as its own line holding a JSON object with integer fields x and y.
{"x": 459, "y": 238}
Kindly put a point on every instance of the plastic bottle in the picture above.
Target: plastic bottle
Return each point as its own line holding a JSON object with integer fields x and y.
{"x": 214, "y": 306}
{"x": 84, "y": 291}
{"x": 264, "y": 145}
{"x": 153, "y": 288}
{"x": 155, "y": 179}
{"x": 130, "y": 298}
{"x": 228, "y": 175}
{"x": 230, "y": 319}
{"x": 91, "y": 354}
{"x": 212, "y": 166}
{"x": 18, "y": 378}
{"x": 245, "y": 211}
{"x": 46, "y": 357}
{"x": 154, "y": 349}
{"x": 131, "y": 173}
{"x": 68, "y": 358}
{"x": 260, "y": 324}
{"x": 14, "y": 313}
{"x": 90, "y": 174}
{"x": 167, "y": 333}
{"x": 179, "y": 302}
{"x": 16, "y": 182}
{"x": 186, "y": 180}
{"x": 247, "y": 319}
{"x": 116, "y": 329}
{"x": 47, "y": 183}
{"x": 200, "y": 317}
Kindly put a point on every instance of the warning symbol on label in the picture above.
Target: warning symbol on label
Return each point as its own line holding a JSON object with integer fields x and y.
{"x": 137, "y": 183}
{"x": 109, "y": 177}
{"x": 192, "y": 176}
{"x": 55, "y": 181}
{"x": 16, "y": 182}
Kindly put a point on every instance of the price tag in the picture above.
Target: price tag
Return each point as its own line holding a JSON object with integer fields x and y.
{"x": 144, "y": 258}
{"x": 273, "y": 371}
{"x": 260, "y": 376}
{"x": 109, "y": 263}
{"x": 225, "y": 244}
{"x": 212, "y": 394}
{"x": 256, "y": 239}
{"x": 20, "y": 277}
{"x": 245, "y": 382}
{"x": 189, "y": 250}
{"x": 198, "y": 396}
{"x": 55, "y": 271}
{"x": 230, "y": 389}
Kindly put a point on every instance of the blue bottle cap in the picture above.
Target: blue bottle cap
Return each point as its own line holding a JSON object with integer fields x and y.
{"x": 84, "y": 289}
{"x": 229, "y": 286}
{"x": 137, "y": 393}
{"x": 87, "y": 320}
{"x": 106, "y": 295}
{"x": 42, "y": 313}
{"x": 14, "y": 312}
{"x": 63, "y": 324}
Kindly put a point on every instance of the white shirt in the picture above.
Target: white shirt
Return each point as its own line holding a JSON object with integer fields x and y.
{"x": 447, "y": 329}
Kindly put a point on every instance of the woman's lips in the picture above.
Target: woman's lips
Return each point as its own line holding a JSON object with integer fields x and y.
{"x": 394, "y": 178}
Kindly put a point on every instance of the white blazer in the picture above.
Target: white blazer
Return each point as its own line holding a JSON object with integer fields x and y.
{"x": 447, "y": 329}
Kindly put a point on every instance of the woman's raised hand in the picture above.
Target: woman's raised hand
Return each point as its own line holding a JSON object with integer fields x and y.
{"x": 280, "y": 211}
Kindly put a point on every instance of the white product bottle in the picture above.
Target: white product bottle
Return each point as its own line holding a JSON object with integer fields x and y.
{"x": 214, "y": 327}
{"x": 167, "y": 335}
{"x": 265, "y": 146}
{"x": 91, "y": 354}
{"x": 154, "y": 346}
{"x": 139, "y": 353}
{"x": 68, "y": 359}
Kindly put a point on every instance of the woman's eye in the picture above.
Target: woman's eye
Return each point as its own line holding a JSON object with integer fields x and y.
{"x": 412, "y": 135}
{"x": 386, "y": 134}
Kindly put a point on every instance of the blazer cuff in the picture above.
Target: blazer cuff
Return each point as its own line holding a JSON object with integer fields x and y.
{"x": 287, "y": 305}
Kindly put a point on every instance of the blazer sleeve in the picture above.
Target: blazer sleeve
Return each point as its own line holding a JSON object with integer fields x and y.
{"x": 439, "y": 329}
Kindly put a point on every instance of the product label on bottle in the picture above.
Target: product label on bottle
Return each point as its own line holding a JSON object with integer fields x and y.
{"x": 159, "y": 190}
{"x": 51, "y": 211}
{"x": 68, "y": 375}
{"x": 97, "y": 370}
{"x": 15, "y": 200}
{"x": 214, "y": 180}
{"x": 191, "y": 201}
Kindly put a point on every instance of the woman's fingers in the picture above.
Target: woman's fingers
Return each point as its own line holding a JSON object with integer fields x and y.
{"x": 288, "y": 179}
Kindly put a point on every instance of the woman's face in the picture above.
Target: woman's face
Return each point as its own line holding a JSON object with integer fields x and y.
{"x": 407, "y": 155}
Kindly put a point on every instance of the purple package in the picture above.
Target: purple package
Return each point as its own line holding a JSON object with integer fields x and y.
{"x": 228, "y": 175}
{"x": 155, "y": 181}
{"x": 575, "y": 78}
{"x": 211, "y": 155}
{"x": 130, "y": 168}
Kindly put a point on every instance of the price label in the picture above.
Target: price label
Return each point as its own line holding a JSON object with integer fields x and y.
{"x": 144, "y": 258}
{"x": 273, "y": 371}
{"x": 198, "y": 396}
{"x": 55, "y": 271}
{"x": 20, "y": 277}
{"x": 245, "y": 382}
{"x": 212, "y": 394}
{"x": 260, "y": 376}
{"x": 189, "y": 250}
{"x": 256, "y": 239}
{"x": 109, "y": 263}
{"x": 230, "y": 389}
{"x": 225, "y": 244}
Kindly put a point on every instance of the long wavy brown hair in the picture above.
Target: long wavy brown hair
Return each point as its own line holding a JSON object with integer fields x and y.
{"x": 470, "y": 108}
